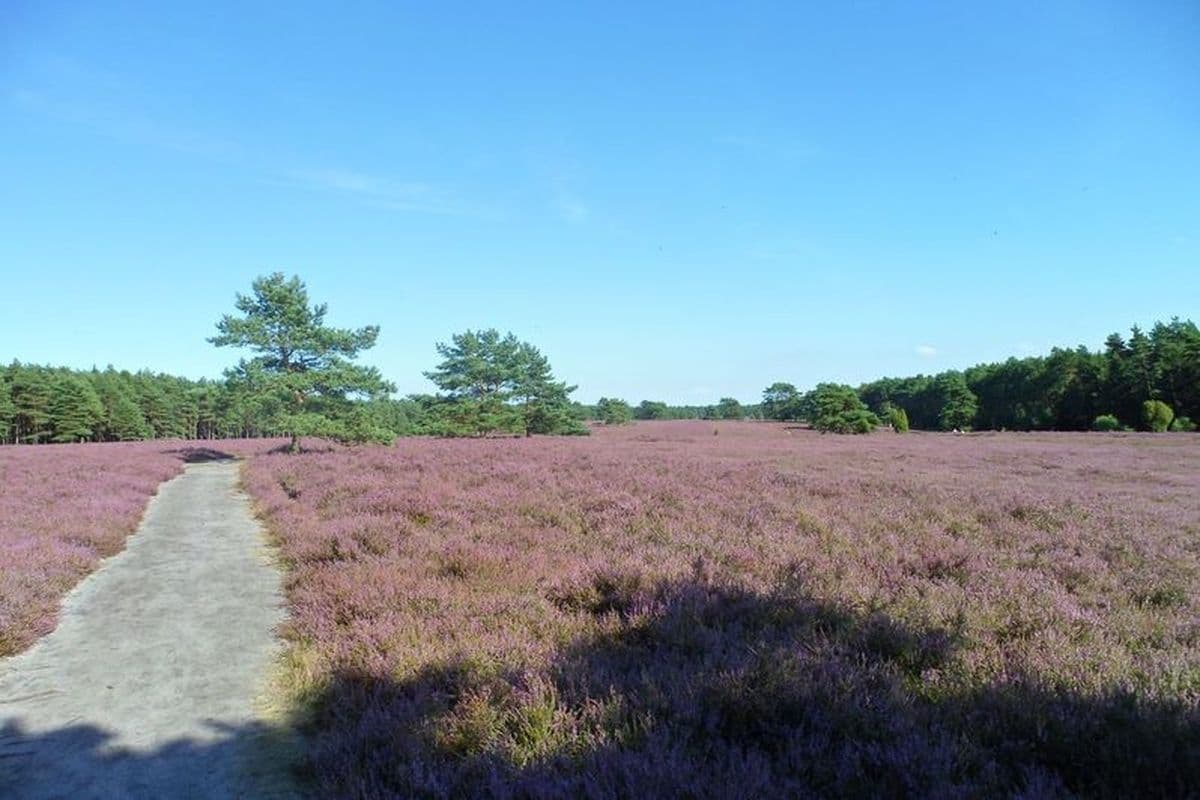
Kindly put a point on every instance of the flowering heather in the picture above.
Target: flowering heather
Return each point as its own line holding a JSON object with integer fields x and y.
{"x": 660, "y": 611}
{"x": 65, "y": 507}
{"x": 62, "y": 509}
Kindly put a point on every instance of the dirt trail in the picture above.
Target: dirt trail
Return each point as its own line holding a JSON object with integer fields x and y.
{"x": 147, "y": 686}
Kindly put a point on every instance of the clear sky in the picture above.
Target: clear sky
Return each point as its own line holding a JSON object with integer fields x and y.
{"x": 675, "y": 201}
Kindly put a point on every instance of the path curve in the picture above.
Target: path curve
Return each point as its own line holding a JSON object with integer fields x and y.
{"x": 147, "y": 687}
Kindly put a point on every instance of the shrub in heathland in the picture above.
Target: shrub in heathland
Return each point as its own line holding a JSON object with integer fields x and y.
{"x": 1183, "y": 425}
{"x": 899, "y": 419}
{"x": 1106, "y": 422}
{"x": 1157, "y": 415}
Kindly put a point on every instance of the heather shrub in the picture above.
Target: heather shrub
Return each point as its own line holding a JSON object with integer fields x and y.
{"x": 63, "y": 508}
{"x": 1157, "y": 415}
{"x": 659, "y": 612}
{"x": 606, "y": 591}
{"x": 1106, "y": 423}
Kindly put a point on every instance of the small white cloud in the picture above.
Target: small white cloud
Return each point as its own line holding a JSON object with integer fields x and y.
{"x": 926, "y": 351}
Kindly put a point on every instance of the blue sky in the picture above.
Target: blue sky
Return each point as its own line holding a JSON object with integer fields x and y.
{"x": 678, "y": 201}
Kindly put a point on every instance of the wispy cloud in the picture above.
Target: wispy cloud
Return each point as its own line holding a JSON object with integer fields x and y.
{"x": 107, "y": 105}
{"x": 380, "y": 191}
{"x": 926, "y": 351}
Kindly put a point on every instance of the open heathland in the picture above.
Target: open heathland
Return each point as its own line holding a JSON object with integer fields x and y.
{"x": 65, "y": 507}
{"x": 744, "y": 610}
{"x": 62, "y": 509}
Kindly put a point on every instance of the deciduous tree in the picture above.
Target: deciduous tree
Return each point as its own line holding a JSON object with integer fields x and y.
{"x": 652, "y": 409}
{"x": 729, "y": 408}
{"x": 1157, "y": 415}
{"x": 781, "y": 401}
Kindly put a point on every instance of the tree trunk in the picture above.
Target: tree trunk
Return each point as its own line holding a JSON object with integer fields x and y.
{"x": 294, "y": 447}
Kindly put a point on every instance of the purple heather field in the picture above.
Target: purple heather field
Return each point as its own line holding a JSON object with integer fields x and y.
{"x": 65, "y": 507}
{"x": 62, "y": 509}
{"x": 690, "y": 609}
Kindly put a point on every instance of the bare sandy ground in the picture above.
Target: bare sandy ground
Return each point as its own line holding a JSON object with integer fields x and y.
{"x": 148, "y": 686}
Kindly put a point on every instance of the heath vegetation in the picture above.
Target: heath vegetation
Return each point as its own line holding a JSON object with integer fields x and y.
{"x": 656, "y": 611}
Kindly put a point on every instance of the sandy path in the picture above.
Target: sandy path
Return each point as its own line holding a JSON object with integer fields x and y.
{"x": 147, "y": 686}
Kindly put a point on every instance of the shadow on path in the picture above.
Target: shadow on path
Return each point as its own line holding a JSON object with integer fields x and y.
{"x": 84, "y": 761}
{"x": 148, "y": 685}
{"x": 199, "y": 455}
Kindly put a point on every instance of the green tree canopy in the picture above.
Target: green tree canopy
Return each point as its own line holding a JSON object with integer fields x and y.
{"x": 1157, "y": 416}
{"x": 544, "y": 402}
{"x": 729, "y": 408}
{"x": 836, "y": 408}
{"x": 8, "y": 411}
{"x": 613, "y": 411}
{"x": 958, "y": 403}
{"x": 652, "y": 409}
{"x": 31, "y": 395}
{"x": 75, "y": 409}
{"x": 303, "y": 368}
{"x": 491, "y": 383}
{"x": 782, "y": 401}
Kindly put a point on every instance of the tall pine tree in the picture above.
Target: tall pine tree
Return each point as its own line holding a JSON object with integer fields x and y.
{"x": 301, "y": 364}
{"x": 75, "y": 409}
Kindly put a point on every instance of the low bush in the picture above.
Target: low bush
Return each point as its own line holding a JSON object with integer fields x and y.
{"x": 1157, "y": 415}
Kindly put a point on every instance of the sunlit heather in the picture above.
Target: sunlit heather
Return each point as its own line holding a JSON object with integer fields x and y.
{"x": 744, "y": 610}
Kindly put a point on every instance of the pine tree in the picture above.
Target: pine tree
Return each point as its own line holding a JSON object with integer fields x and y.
{"x": 75, "y": 409}
{"x": 30, "y": 388}
{"x": 545, "y": 402}
{"x": 301, "y": 364}
{"x": 498, "y": 383}
{"x": 125, "y": 421}
{"x": 476, "y": 378}
{"x": 8, "y": 411}
{"x": 959, "y": 403}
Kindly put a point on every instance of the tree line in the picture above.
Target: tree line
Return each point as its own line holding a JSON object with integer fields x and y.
{"x": 615, "y": 411}
{"x": 1148, "y": 381}
{"x": 301, "y": 380}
